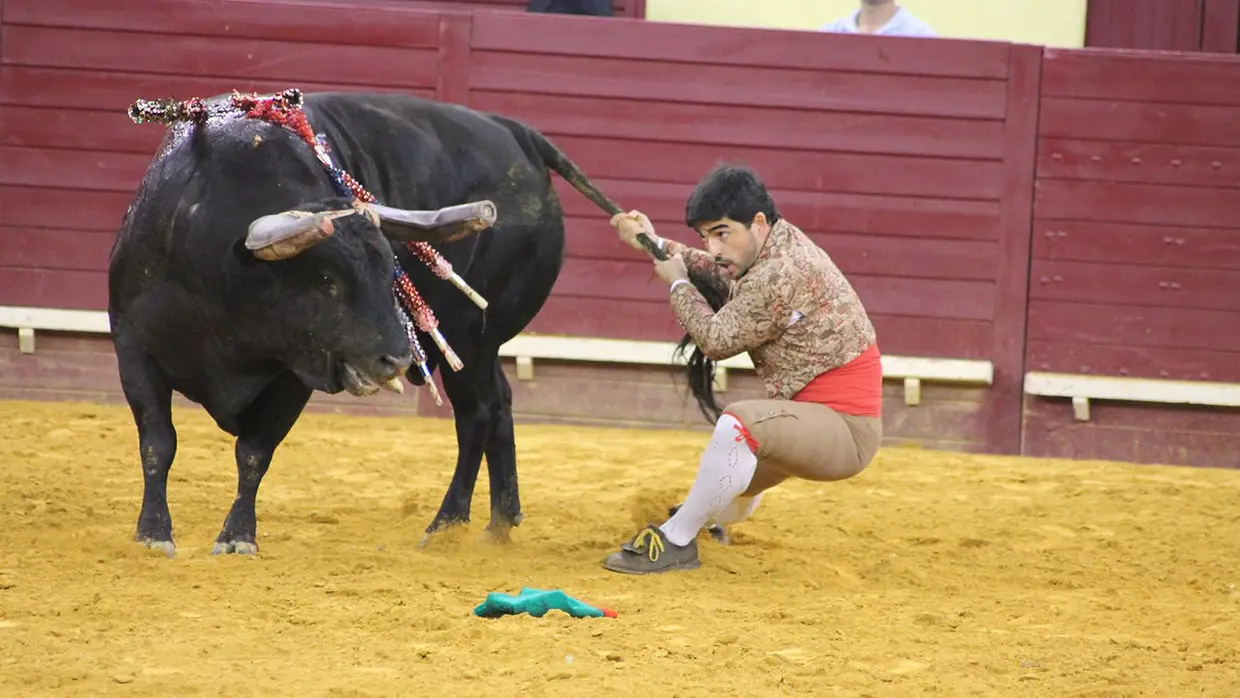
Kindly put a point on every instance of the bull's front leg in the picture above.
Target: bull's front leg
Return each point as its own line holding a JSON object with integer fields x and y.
{"x": 264, "y": 424}
{"x": 150, "y": 399}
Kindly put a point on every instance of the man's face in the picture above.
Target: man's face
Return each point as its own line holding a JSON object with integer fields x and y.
{"x": 876, "y": 3}
{"x": 734, "y": 246}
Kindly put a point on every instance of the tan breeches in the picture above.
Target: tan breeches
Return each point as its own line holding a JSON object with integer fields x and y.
{"x": 805, "y": 440}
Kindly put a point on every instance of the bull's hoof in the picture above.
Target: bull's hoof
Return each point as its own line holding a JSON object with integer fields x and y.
{"x": 450, "y": 531}
{"x": 499, "y": 530}
{"x": 167, "y": 547}
{"x": 499, "y": 534}
{"x": 238, "y": 547}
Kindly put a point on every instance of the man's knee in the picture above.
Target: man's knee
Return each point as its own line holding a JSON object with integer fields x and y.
{"x": 764, "y": 478}
{"x": 752, "y": 413}
{"x": 732, "y": 427}
{"x": 803, "y": 440}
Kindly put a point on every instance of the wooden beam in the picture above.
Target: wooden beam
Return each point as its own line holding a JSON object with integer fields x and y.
{"x": 1084, "y": 388}
{"x": 528, "y": 348}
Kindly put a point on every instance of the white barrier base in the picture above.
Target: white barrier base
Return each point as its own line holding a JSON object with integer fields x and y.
{"x": 528, "y": 348}
{"x": 1083, "y": 388}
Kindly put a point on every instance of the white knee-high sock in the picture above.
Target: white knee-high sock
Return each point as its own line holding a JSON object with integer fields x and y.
{"x": 726, "y": 468}
{"x": 737, "y": 511}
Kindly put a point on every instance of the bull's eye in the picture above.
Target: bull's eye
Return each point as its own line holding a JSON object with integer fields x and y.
{"x": 329, "y": 285}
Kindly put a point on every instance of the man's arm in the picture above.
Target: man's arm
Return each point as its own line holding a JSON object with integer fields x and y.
{"x": 756, "y": 315}
{"x": 700, "y": 263}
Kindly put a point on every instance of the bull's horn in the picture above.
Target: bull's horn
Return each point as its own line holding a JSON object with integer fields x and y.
{"x": 283, "y": 235}
{"x": 437, "y": 225}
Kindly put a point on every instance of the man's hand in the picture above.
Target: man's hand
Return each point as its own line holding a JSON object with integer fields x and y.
{"x": 672, "y": 269}
{"x": 630, "y": 224}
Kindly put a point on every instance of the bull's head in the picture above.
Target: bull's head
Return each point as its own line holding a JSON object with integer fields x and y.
{"x": 328, "y": 291}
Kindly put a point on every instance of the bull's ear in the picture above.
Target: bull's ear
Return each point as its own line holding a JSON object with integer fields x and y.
{"x": 440, "y": 225}
{"x": 288, "y": 234}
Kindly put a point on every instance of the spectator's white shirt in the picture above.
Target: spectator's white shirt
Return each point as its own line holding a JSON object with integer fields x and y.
{"x": 903, "y": 23}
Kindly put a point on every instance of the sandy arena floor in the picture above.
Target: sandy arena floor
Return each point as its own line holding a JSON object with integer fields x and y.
{"x": 931, "y": 573}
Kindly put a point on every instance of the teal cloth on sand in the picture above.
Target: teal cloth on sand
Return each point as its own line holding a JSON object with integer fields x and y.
{"x": 536, "y": 602}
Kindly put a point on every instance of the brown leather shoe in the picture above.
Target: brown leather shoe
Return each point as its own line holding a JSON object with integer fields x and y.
{"x": 650, "y": 552}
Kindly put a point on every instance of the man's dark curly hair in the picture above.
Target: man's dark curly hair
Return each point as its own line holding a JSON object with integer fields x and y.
{"x": 729, "y": 191}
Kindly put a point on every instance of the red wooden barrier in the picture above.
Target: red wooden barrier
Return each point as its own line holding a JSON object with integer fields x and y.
{"x": 1136, "y": 248}
{"x": 621, "y": 8}
{"x": 911, "y": 160}
{"x": 69, "y": 156}
{"x": 1204, "y": 25}
{"x": 908, "y": 158}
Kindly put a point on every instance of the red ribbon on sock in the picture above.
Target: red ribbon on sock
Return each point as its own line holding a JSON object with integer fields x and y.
{"x": 742, "y": 434}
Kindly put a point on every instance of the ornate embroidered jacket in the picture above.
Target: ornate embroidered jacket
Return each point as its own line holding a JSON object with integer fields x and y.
{"x": 793, "y": 311}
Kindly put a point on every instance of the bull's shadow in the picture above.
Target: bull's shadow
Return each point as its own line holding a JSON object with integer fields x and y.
{"x": 245, "y": 276}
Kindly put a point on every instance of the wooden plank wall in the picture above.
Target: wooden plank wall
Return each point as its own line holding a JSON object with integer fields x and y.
{"x": 635, "y": 9}
{"x": 70, "y": 157}
{"x": 900, "y": 154}
{"x": 908, "y": 159}
{"x": 1136, "y": 248}
{"x": 911, "y": 160}
{"x": 1179, "y": 25}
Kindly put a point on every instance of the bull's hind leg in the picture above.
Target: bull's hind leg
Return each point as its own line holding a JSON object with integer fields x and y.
{"x": 264, "y": 424}
{"x": 482, "y": 408}
{"x": 501, "y": 455}
{"x": 475, "y": 398}
{"x": 150, "y": 398}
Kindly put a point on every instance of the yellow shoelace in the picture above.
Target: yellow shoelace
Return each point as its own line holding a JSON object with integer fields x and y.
{"x": 650, "y": 539}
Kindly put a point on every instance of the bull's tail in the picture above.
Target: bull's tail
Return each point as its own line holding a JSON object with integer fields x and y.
{"x": 700, "y": 370}
{"x": 558, "y": 161}
{"x": 554, "y": 158}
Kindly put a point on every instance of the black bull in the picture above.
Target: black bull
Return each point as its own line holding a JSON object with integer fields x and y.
{"x": 250, "y": 336}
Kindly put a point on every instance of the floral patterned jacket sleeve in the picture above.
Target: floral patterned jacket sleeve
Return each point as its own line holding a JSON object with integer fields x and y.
{"x": 758, "y": 313}
{"x": 700, "y": 264}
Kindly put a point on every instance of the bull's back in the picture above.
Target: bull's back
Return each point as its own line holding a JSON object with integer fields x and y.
{"x": 420, "y": 153}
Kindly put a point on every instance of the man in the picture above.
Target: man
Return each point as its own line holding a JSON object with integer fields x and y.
{"x": 880, "y": 17}
{"x": 597, "y": 8}
{"x": 810, "y": 340}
